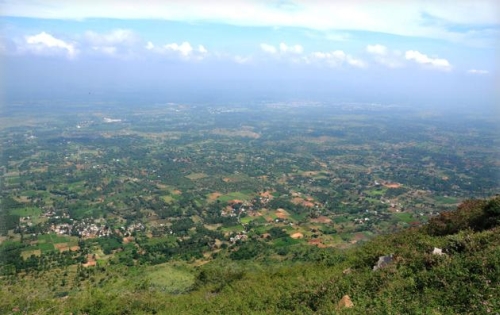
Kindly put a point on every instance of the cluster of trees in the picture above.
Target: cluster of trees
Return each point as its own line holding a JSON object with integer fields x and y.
{"x": 12, "y": 262}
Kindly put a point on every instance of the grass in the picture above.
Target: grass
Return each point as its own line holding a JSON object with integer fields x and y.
{"x": 404, "y": 217}
{"x": 235, "y": 228}
{"x": 27, "y": 212}
{"x": 333, "y": 239}
{"x": 170, "y": 279}
{"x": 167, "y": 199}
{"x": 235, "y": 195}
{"x": 373, "y": 200}
{"x": 286, "y": 241}
{"x": 297, "y": 216}
{"x": 165, "y": 239}
{"x": 341, "y": 219}
{"x": 195, "y": 176}
{"x": 26, "y": 254}
{"x": 13, "y": 180}
{"x": 45, "y": 238}
{"x": 446, "y": 200}
{"x": 376, "y": 192}
{"x": 46, "y": 242}
{"x": 59, "y": 239}
{"x": 246, "y": 220}
{"x": 45, "y": 247}
{"x": 76, "y": 187}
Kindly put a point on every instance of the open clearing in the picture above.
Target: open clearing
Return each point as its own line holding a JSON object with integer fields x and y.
{"x": 282, "y": 213}
{"x": 214, "y": 196}
{"x": 195, "y": 176}
{"x": 240, "y": 196}
{"x": 170, "y": 279}
{"x": 28, "y": 253}
{"x": 393, "y": 185}
{"x": 321, "y": 219}
{"x": 167, "y": 199}
{"x": 27, "y": 212}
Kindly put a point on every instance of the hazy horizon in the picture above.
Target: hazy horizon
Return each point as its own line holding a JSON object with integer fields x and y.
{"x": 414, "y": 53}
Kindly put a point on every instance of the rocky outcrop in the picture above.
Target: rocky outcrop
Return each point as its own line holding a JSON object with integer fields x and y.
{"x": 382, "y": 262}
{"x": 345, "y": 302}
{"x": 438, "y": 251}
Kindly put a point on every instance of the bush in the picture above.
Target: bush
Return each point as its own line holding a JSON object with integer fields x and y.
{"x": 469, "y": 214}
{"x": 492, "y": 208}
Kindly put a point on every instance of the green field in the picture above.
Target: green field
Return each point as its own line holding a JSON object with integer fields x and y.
{"x": 27, "y": 212}
{"x": 167, "y": 199}
{"x": 56, "y": 239}
{"x": 376, "y": 192}
{"x": 195, "y": 176}
{"x": 235, "y": 196}
{"x": 404, "y": 217}
{"x": 45, "y": 247}
{"x": 170, "y": 279}
{"x": 246, "y": 220}
{"x": 235, "y": 228}
{"x": 446, "y": 200}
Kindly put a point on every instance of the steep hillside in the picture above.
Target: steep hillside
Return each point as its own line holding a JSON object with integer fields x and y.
{"x": 449, "y": 266}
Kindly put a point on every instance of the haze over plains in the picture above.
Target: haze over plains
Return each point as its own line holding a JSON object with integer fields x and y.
{"x": 418, "y": 53}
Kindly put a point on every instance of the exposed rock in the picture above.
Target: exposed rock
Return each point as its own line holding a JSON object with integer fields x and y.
{"x": 438, "y": 251}
{"x": 345, "y": 302}
{"x": 382, "y": 262}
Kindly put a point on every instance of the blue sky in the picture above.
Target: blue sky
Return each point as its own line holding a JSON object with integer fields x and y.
{"x": 433, "y": 52}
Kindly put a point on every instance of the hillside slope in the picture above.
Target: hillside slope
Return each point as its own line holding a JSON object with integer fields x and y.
{"x": 464, "y": 279}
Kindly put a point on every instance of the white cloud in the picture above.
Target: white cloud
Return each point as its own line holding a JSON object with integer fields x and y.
{"x": 44, "y": 43}
{"x": 184, "y": 50}
{"x": 268, "y": 48}
{"x": 294, "y": 54}
{"x": 406, "y": 18}
{"x": 119, "y": 43}
{"x": 107, "y": 50}
{"x": 336, "y": 58}
{"x": 356, "y": 62}
{"x": 295, "y": 49}
{"x": 476, "y": 71}
{"x": 418, "y": 57}
{"x": 382, "y": 55}
{"x": 377, "y": 49}
{"x": 115, "y": 37}
{"x": 202, "y": 49}
{"x": 283, "y": 49}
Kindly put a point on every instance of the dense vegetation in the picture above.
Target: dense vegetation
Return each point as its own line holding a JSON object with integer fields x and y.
{"x": 177, "y": 181}
{"x": 256, "y": 208}
{"x": 297, "y": 279}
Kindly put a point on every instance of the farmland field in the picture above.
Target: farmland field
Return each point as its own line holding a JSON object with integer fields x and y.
{"x": 145, "y": 189}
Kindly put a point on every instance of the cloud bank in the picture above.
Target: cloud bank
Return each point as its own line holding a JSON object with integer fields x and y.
{"x": 430, "y": 19}
{"x": 420, "y": 58}
{"x": 47, "y": 44}
{"x": 184, "y": 50}
{"x": 124, "y": 43}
